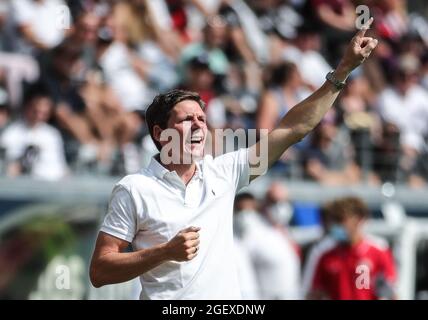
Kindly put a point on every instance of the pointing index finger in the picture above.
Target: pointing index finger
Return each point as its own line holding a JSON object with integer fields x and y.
{"x": 364, "y": 28}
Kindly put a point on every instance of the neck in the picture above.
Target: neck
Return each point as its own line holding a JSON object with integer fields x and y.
{"x": 30, "y": 124}
{"x": 355, "y": 239}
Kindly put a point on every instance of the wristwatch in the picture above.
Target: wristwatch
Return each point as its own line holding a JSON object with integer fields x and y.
{"x": 332, "y": 78}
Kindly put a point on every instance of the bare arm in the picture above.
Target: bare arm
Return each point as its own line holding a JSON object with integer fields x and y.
{"x": 110, "y": 264}
{"x": 341, "y": 22}
{"x": 305, "y": 116}
{"x": 267, "y": 113}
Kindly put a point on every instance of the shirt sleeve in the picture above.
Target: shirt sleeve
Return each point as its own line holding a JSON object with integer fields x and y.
{"x": 235, "y": 167}
{"x": 121, "y": 218}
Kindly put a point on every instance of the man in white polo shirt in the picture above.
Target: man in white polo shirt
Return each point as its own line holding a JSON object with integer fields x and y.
{"x": 178, "y": 215}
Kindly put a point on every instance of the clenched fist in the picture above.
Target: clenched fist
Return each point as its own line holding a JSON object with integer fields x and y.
{"x": 357, "y": 51}
{"x": 184, "y": 246}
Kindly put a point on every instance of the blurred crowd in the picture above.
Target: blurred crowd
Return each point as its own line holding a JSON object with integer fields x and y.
{"x": 76, "y": 77}
{"x": 345, "y": 263}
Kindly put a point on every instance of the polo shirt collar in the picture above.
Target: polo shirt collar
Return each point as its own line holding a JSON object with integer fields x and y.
{"x": 160, "y": 171}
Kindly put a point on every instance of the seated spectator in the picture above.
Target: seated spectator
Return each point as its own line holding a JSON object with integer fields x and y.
{"x": 212, "y": 44}
{"x": 286, "y": 90}
{"x": 304, "y": 52}
{"x": 356, "y": 107}
{"x": 276, "y": 263}
{"x": 279, "y": 21}
{"x": 32, "y": 146}
{"x": 148, "y": 51}
{"x": 200, "y": 78}
{"x": 358, "y": 266}
{"x": 132, "y": 58}
{"x": 404, "y": 105}
{"x": 328, "y": 159}
{"x": 337, "y": 20}
{"x": 37, "y": 22}
{"x": 248, "y": 42}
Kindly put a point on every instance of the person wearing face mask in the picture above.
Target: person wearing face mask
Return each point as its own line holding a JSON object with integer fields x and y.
{"x": 278, "y": 211}
{"x": 276, "y": 264}
{"x": 358, "y": 266}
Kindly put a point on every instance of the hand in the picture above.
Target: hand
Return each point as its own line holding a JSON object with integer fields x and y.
{"x": 357, "y": 52}
{"x": 185, "y": 245}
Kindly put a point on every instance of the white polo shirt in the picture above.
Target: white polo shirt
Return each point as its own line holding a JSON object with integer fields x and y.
{"x": 151, "y": 207}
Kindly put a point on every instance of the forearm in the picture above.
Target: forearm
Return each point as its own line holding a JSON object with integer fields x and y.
{"x": 117, "y": 267}
{"x": 305, "y": 116}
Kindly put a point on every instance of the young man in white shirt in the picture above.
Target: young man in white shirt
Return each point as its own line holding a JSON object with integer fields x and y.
{"x": 41, "y": 23}
{"x": 33, "y": 147}
{"x": 178, "y": 216}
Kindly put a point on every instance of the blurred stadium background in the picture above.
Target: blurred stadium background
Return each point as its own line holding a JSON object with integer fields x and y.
{"x": 76, "y": 76}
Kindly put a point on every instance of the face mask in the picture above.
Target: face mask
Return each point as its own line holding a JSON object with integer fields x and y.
{"x": 281, "y": 213}
{"x": 339, "y": 233}
{"x": 241, "y": 221}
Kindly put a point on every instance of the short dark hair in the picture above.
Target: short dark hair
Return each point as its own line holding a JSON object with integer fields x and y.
{"x": 348, "y": 206}
{"x": 34, "y": 91}
{"x": 159, "y": 111}
{"x": 242, "y": 197}
{"x": 282, "y": 72}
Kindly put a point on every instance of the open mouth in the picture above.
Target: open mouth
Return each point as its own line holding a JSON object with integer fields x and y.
{"x": 196, "y": 140}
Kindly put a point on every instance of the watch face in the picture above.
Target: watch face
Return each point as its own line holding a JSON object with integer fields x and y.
{"x": 330, "y": 77}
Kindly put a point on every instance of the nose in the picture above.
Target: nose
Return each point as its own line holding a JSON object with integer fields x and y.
{"x": 196, "y": 123}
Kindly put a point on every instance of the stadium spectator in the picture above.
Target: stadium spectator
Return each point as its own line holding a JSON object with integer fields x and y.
{"x": 200, "y": 78}
{"x": 328, "y": 157}
{"x": 358, "y": 266}
{"x": 276, "y": 263}
{"x": 356, "y": 108}
{"x": 246, "y": 271}
{"x": 32, "y": 146}
{"x": 37, "y": 24}
{"x": 212, "y": 44}
{"x": 304, "y": 51}
{"x": 286, "y": 90}
{"x": 277, "y": 207}
{"x": 70, "y": 111}
{"x": 121, "y": 53}
{"x": 404, "y": 105}
{"x": 336, "y": 20}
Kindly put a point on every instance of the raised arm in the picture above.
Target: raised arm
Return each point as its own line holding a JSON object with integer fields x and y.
{"x": 305, "y": 116}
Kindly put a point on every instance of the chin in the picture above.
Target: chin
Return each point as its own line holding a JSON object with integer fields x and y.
{"x": 197, "y": 153}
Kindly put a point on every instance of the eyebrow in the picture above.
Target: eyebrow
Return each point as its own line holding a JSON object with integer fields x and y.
{"x": 190, "y": 115}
